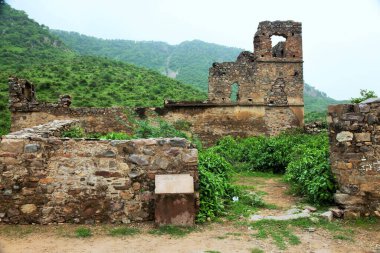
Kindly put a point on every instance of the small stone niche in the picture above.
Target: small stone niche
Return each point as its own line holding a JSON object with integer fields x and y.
{"x": 175, "y": 200}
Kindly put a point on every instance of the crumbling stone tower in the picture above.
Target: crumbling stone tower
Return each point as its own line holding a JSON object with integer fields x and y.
{"x": 271, "y": 75}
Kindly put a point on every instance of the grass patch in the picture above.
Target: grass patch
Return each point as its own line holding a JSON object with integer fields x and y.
{"x": 245, "y": 206}
{"x": 234, "y": 234}
{"x": 174, "y": 231}
{"x": 83, "y": 232}
{"x": 212, "y": 251}
{"x": 18, "y": 230}
{"x": 123, "y": 231}
{"x": 342, "y": 237}
{"x": 279, "y": 231}
{"x": 259, "y": 174}
{"x": 257, "y": 250}
{"x": 371, "y": 223}
{"x": 282, "y": 232}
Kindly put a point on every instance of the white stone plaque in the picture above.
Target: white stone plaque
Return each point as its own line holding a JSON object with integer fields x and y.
{"x": 175, "y": 183}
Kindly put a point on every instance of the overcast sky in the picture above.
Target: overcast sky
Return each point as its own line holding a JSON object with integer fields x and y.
{"x": 341, "y": 38}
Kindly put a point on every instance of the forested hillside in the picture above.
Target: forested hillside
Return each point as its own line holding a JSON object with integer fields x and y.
{"x": 29, "y": 50}
{"x": 188, "y": 62}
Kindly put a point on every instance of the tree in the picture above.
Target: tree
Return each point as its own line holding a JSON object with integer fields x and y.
{"x": 365, "y": 94}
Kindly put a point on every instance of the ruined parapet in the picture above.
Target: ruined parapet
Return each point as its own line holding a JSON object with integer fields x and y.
{"x": 271, "y": 75}
{"x": 51, "y": 129}
{"x": 291, "y": 49}
{"x": 64, "y": 100}
{"x": 46, "y": 179}
{"x": 21, "y": 94}
{"x": 354, "y": 132}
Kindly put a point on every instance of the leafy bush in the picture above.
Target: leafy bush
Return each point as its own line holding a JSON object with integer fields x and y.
{"x": 115, "y": 136}
{"x": 309, "y": 170}
{"x": 303, "y": 158}
{"x": 214, "y": 163}
{"x": 83, "y": 232}
{"x": 216, "y": 189}
{"x": 156, "y": 128}
{"x": 215, "y": 192}
{"x": 364, "y": 95}
{"x": 74, "y": 132}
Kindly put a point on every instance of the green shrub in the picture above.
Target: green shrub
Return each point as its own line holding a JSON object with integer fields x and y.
{"x": 83, "y": 232}
{"x": 216, "y": 189}
{"x": 115, "y": 136}
{"x": 155, "y": 128}
{"x": 303, "y": 158}
{"x": 214, "y": 163}
{"x": 74, "y": 132}
{"x": 124, "y": 231}
{"x": 309, "y": 170}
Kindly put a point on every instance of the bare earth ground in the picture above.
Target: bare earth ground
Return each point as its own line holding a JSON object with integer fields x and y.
{"x": 216, "y": 237}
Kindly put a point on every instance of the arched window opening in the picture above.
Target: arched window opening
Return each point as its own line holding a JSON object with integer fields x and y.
{"x": 278, "y": 46}
{"x": 234, "y": 97}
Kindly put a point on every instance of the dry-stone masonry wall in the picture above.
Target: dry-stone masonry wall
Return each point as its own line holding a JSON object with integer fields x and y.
{"x": 48, "y": 180}
{"x": 355, "y": 157}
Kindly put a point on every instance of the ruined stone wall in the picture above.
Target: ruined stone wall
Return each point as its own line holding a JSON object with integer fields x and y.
{"x": 93, "y": 120}
{"x": 355, "y": 157}
{"x": 265, "y": 76}
{"x": 269, "y": 98}
{"x": 210, "y": 123}
{"x": 26, "y": 111}
{"x": 48, "y": 180}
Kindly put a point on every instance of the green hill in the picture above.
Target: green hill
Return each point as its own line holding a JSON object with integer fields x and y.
{"x": 29, "y": 50}
{"x": 188, "y": 61}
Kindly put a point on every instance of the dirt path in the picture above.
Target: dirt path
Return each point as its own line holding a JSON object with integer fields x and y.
{"x": 216, "y": 237}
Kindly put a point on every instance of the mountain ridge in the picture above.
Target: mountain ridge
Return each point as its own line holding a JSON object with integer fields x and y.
{"x": 196, "y": 71}
{"x": 28, "y": 50}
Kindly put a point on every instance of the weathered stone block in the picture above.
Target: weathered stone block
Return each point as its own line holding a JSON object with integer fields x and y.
{"x": 175, "y": 200}
{"x": 344, "y": 136}
{"x": 32, "y": 148}
{"x": 175, "y": 209}
{"x": 362, "y": 137}
{"x": 353, "y": 117}
{"x": 28, "y": 208}
{"x": 346, "y": 199}
{"x": 139, "y": 159}
{"x": 12, "y": 145}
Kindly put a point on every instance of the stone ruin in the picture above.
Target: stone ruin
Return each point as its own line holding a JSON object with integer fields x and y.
{"x": 269, "y": 100}
{"x": 271, "y": 75}
{"x": 48, "y": 179}
{"x": 355, "y": 157}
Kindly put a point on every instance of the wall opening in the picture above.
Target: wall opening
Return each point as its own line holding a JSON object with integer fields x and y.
{"x": 234, "y": 97}
{"x": 278, "y": 46}
{"x": 27, "y": 91}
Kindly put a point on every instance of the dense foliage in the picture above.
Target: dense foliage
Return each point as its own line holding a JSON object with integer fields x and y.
{"x": 303, "y": 158}
{"x": 188, "y": 61}
{"x": 29, "y": 50}
{"x": 216, "y": 190}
